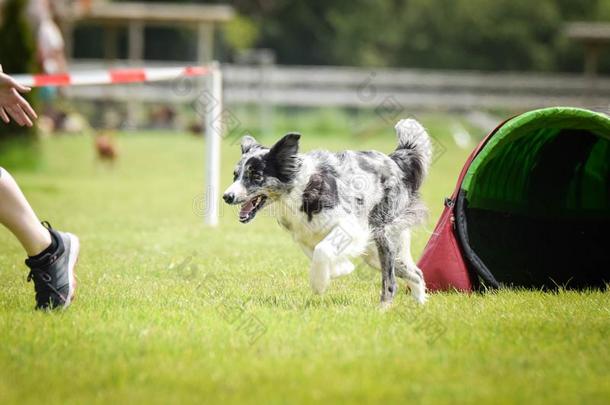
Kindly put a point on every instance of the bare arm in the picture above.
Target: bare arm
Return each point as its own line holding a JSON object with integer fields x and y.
{"x": 12, "y": 104}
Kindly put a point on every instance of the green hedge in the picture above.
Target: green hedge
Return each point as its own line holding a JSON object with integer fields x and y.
{"x": 17, "y": 55}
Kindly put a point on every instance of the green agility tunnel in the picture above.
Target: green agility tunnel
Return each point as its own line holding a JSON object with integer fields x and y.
{"x": 531, "y": 207}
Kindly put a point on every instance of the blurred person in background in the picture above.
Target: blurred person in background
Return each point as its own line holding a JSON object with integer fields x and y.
{"x": 52, "y": 255}
{"x": 50, "y": 51}
{"x": 49, "y": 39}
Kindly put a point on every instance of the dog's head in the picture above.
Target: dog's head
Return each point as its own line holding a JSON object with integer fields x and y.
{"x": 263, "y": 174}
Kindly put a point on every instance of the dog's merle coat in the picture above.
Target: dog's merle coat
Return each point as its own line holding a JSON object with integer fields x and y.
{"x": 340, "y": 206}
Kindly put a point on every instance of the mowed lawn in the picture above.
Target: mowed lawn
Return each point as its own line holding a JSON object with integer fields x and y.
{"x": 169, "y": 311}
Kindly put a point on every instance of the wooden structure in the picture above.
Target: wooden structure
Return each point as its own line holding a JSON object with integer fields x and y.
{"x": 594, "y": 37}
{"x": 135, "y": 16}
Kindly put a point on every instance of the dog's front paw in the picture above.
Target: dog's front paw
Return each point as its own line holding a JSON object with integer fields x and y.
{"x": 342, "y": 268}
{"x": 318, "y": 288}
{"x": 319, "y": 281}
{"x": 419, "y": 296}
{"x": 385, "y": 306}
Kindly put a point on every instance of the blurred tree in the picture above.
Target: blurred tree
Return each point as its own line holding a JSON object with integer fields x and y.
{"x": 465, "y": 34}
{"x": 300, "y": 31}
{"x": 603, "y": 11}
{"x": 479, "y": 34}
{"x": 447, "y": 34}
{"x": 17, "y": 53}
{"x": 241, "y": 33}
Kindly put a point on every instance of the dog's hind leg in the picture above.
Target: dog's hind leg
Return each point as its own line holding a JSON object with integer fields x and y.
{"x": 387, "y": 257}
{"x": 407, "y": 269}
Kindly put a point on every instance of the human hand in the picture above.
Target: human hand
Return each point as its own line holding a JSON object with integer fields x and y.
{"x": 13, "y": 104}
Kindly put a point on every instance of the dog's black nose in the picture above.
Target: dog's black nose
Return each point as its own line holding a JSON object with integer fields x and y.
{"x": 229, "y": 198}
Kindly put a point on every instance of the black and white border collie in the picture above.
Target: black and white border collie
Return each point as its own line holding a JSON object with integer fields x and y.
{"x": 341, "y": 206}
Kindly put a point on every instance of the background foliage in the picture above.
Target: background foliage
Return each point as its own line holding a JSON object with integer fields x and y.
{"x": 18, "y": 146}
{"x": 17, "y": 52}
{"x": 442, "y": 34}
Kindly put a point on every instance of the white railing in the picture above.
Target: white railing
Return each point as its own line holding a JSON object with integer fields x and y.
{"x": 325, "y": 86}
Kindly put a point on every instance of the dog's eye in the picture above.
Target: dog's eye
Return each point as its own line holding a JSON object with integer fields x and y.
{"x": 257, "y": 178}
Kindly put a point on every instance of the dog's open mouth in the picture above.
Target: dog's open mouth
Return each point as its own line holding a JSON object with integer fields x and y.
{"x": 249, "y": 208}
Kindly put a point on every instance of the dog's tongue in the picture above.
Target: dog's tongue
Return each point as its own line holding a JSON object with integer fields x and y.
{"x": 247, "y": 208}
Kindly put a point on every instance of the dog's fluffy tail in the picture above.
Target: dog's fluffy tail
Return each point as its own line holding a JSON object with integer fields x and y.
{"x": 414, "y": 152}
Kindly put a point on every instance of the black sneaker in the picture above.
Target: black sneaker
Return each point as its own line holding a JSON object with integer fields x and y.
{"x": 53, "y": 273}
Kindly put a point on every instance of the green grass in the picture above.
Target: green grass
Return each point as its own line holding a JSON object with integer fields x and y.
{"x": 166, "y": 306}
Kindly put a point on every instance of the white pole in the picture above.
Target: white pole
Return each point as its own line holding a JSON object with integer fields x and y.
{"x": 213, "y": 136}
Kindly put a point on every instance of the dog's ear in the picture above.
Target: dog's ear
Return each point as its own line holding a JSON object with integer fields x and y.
{"x": 286, "y": 147}
{"x": 247, "y": 143}
{"x": 284, "y": 156}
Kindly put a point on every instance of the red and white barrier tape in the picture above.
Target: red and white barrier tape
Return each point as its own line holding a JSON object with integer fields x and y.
{"x": 112, "y": 76}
